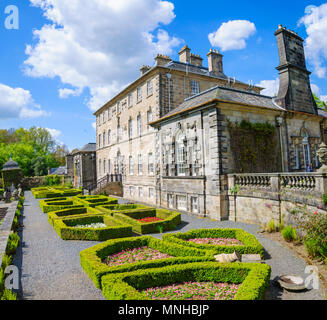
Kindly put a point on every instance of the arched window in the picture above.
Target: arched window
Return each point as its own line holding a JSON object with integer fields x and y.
{"x": 306, "y": 147}
{"x": 180, "y": 154}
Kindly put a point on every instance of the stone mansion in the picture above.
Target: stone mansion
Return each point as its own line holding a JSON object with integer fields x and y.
{"x": 177, "y": 131}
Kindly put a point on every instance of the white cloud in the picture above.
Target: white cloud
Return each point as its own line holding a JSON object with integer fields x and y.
{"x": 323, "y": 98}
{"x": 315, "y": 89}
{"x": 54, "y": 133}
{"x": 98, "y": 44}
{"x": 18, "y": 103}
{"x": 94, "y": 125}
{"x": 315, "y": 22}
{"x": 271, "y": 87}
{"x": 232, "y": 35}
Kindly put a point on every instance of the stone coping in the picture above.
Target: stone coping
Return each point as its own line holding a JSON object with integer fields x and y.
{"x": 285, "y": 174}
{"x": 6, "y": 226}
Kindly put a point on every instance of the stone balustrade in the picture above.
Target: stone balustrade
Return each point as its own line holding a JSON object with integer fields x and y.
{"x": 261, "y": 197}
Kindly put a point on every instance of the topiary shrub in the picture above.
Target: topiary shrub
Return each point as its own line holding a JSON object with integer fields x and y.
{"x": 92, "y": 258}
{"x": 254, "y": 279}
{"x": 289, "y": 234}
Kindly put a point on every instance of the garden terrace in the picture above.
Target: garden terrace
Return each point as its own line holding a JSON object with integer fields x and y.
{"x": 260, "y": 198}
{"x": 252, "y": 278}
{"x": 80, "y": 228}
{"x": 58, "y": 204}
{"x": 95, "y": 201}
{"x": 250, "y": 244}
{"x": 169, "y": 220}
{"x": 70, "y": 213}
{"x": 93, "y": 259}
{"x": 54, "y": 192}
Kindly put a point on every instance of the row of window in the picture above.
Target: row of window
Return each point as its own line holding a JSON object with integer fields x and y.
{"x": 107, "y": 114}
{"x": 106, "y": 165}
{"x": 141, "y": 192}
{"x": 181, "y": 203}
{"x": 105, "y": 138}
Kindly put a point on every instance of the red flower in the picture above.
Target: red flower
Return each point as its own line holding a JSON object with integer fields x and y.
{"x": 316, "y": 213}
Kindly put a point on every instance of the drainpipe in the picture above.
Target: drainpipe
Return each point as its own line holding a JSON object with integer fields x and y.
{"x": 280, "y": 121}
{"x": 169, "y": 77}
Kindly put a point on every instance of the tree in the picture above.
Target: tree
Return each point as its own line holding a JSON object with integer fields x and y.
{"x": 39, "y": 166}
{"x": 320, "y": 104}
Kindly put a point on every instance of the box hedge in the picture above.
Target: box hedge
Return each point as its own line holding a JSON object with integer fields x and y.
{"x": 122, "y": 207}
{"x": 66, "y": 229}
{"x": 251, "y": 244}
{"x": 91, "y": 258}
{"x": 254, "y": 279}
{"x": 54, "y": 192}
{"x": 95, "y": 201}
{"x": 171, "y": 219}
{"x": 58, "y": 204}
{"x": 70, "y": 212}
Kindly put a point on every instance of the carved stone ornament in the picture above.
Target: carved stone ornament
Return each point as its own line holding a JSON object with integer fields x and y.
{"x": 322, "y": 155}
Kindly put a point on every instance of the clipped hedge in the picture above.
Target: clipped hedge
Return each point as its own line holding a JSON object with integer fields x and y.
{"x": 54, "y": 192}
{"x": 66, "y": 230}
{"x": 122, "y": 207}
{"x": 91, "y": 258}
{"x": 95, "y": 201}
{"x": 254, "y": 279}
{"x": 171, "y": 219}
{"x": 251, "y": 244}
{"x": 57, "y": 204}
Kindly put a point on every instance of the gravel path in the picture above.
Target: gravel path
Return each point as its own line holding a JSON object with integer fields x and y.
{"x": 50, "y": 267}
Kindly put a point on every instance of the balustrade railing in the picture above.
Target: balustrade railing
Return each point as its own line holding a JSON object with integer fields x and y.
{"x": 253, "y": 181}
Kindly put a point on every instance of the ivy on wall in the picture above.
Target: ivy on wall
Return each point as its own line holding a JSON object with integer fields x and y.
{"x": 255, "y": 147}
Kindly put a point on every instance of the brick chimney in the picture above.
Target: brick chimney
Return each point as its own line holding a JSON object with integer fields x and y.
{"x": 185, "y": 55}
{"x": 294, "y": 89}
{"x": 215, "y": 62}
{"x": 161, "y": 60}
{"x": 144, "y": 69}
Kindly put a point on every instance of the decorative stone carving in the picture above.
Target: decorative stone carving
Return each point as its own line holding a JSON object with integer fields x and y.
{"x": 322, "y": 155}
{"x": 227, "y": 258}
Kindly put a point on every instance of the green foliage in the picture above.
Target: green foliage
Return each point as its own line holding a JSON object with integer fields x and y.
{"x": 320, "y": 104}
{"x": 6, "y": 261}
{"x": 314, "y": 225}
{"x": 26, "y": 146}
{"x": 115, "y": 229}
{"x": 271, "y": 226}
{"x": 324, "y": 198}
{"x": 281, "y": 225}
{"x": 91, "y": 258}
{"x": 255, "y": 147}
{"x": 95, "y": 201}
{"x": 8, "y": 295}
{"x": 52, "y": 180}
{"x": 251, "y": 244}
{"x": 254, "y": 279}
{"x": 13, "y": 243}
{"x": 289, "y": 233}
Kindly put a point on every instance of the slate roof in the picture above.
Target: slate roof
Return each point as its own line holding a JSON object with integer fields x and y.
{"x": 10, "y": 165}
{"x": 59, "y": 171}
{"x": 90, "y": 147}
{"x": 322, "y": 113}
{"x": 227, "y": 95}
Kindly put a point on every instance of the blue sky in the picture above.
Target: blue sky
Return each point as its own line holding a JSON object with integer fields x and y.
{"x": 68, "y": 57}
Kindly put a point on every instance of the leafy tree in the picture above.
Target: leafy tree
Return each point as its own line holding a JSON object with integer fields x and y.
{"x": 39, "y": 166}
{"x": 320, "y": 104}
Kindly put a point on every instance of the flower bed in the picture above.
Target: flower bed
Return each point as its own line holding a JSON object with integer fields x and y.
{"x": 135, "y": 255}
{"x": 194, "y": 291}
{"x": 149, "y": 220}
{"x": 92, "y": 259}
{"x": 251, "y": 280}
{"x": 97, "y": 225}
{"x": 250, "y": 244}
{"x": 169, "y": 219}
{"x": 217, "y": 241}
{"x": 68, "y": 228}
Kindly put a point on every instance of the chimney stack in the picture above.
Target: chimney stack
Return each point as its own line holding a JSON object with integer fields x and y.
{"x": 196, "y": 60}
{"x": 144, "y": 69}
{"x": 162, "y": 60}
{"x": 294, "y": 89}
{"x": 215, "y": 62}
{"x": 185, "y": 55}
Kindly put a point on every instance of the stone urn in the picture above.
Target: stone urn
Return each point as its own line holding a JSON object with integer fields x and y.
{"x": 322, "y": 155}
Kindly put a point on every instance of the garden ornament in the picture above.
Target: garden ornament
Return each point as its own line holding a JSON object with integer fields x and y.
{"x": 227, "y": 258}
{"x": 322, "y": 155}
